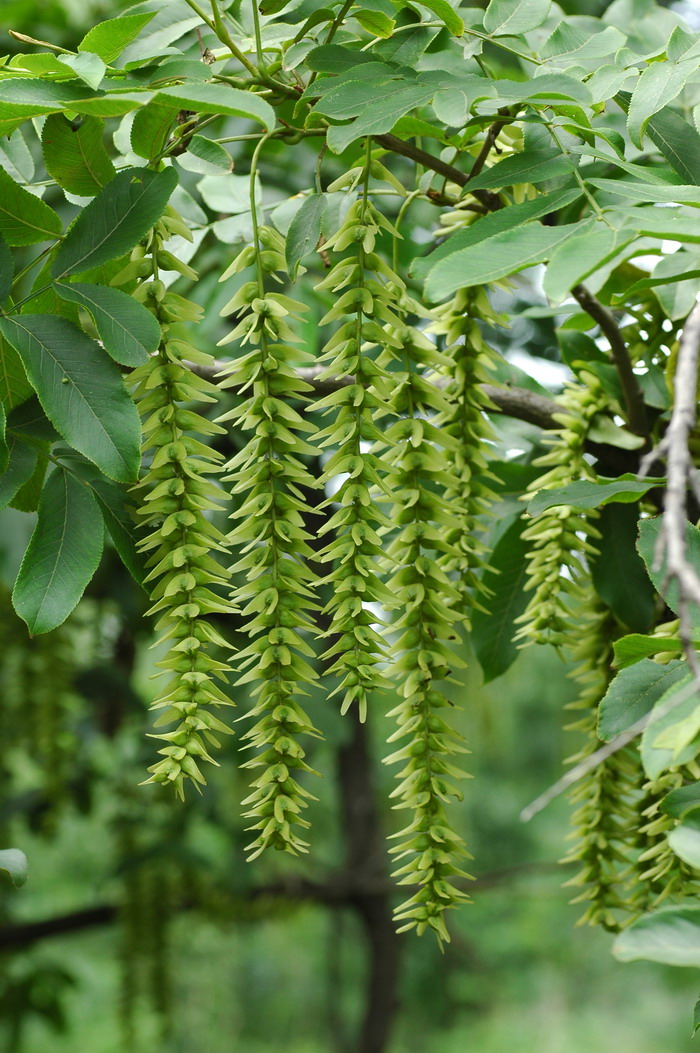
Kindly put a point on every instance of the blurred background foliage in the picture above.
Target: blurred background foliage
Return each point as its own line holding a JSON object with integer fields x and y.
{"x": 141, "y": 925}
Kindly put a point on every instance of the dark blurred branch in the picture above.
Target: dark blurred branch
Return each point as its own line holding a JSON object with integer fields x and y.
{"x": 397, "y": 146}
{"x": 632, "y": 392}
{"x": 513, "y": 401}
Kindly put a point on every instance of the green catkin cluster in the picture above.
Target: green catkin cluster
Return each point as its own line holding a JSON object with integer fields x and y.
{"x": 659, "y": 874}
{"x": 428, "y": 848}
{"x": 605, "y": 815}
{"x": 561, "y": 537}
{"x": 177, "y": 500}
{"x": 465, "y": 421}
{"x": 362, "y": 283}
{"x": 269, "y": 481}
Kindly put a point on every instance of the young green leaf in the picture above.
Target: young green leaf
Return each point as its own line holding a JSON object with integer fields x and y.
{"x": 670, "y": 736}
{"x": 375, "y": 22}
{"x": 206, "y": 157}
{"x": 445, "y": 12}
{"x": 580, "y": 256}
{"x": 115, "y": 220}
{"x": 634, "y": 692}
{"x": 108, "y": 39}
{"x": 585, "y": 495}
{"x": 221, "y": 100}
{"x": 503, "y": 254}
{"x": 63, "y": 553}
{"x": 129, "y": 332}
{"x": 80, "y": 390}
{"x": 646, "y": 546}
{"x": 304, "y": 231}
{"x": 632, "y": 648}
{"x": 510, "y": 17}
{"x": 670, "y": 935}
{"x": 24, "y": 218}
{"x": 682, "y": 801}
{"x": 74, "y": 154}
{"x": 685, "y": 842}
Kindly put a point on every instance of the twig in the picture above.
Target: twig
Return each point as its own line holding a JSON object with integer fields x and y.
{"x": 671, "y": 542}
{"x": 489, "y": 143}
{"x": 435, "y": 164}
{"x": 632, "y": 392}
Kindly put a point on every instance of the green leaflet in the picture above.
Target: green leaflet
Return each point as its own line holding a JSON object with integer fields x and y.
{"x": 678, "y": 141}
{"x": 80, "y": 390}
{"x": 444, "y": 11}
{"x": 7, "y": 270}
{"x": 671, "y": 736}
{"x": 221, "y": 100}
{"x": 648, "y": 534}
{"x": 505, "y": 253}
{"x": 504, "y": 219}
{"x": 115, "y": 506}
{"x": 108, "y": 39}
{"x": 378, "y": 116}
{"x": 152, "y": 126}
{"x": 534, "y": 166}
{"x": 670, "y": 935}
{"x": 504, "y": 585}
{"x": 62, "y": 556}
{"x": 24, "y": 218}
{"x": 632, "y": 648}
{"x": 4, "y": 449}
{"x": 644, "y": 193}
{"x": 127, "y": 329}
{"x": 375, "y": 22}
{"x": 75, "y": 155}
{"x": 22, "y": 460}
{"x": 304, "y": 231}
{"x": 27, "y": 497}
{"x": 617, "y": 570}
{"x": 23, "y": 98}
{"x": 634, "y": 692}
{"x": 682, "y": 801}
{"x": 585, "y": 494}
{"x": 658, "y": 85}
{"x": 685, "y": 842}
{"x": 14, "y": 864}
{"x": 509, "y": 17}
{"x": 115, "y": 220}
{"x": 206, "y": 157}
{"x": 579, "y": 256}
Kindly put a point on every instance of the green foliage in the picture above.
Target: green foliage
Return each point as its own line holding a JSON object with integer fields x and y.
{"x": 380, "y": 452}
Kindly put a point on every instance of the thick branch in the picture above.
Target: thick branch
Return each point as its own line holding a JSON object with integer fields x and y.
{"x": 671, "y": 543}
{"x": 512, "y": 401}
{"x": 632, "y": 392}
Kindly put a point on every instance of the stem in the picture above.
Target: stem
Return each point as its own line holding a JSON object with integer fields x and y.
{"x": 219, "y": 29}
{"x": 258, "y": 34}
{"x": 632, "y": 392}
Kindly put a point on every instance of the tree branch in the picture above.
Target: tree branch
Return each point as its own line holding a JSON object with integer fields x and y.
{"x": 512, "y": 401}
{"x": 681, "y": 474}
{"x": 398, "y": 146}
{"x": 632, "y": 392}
